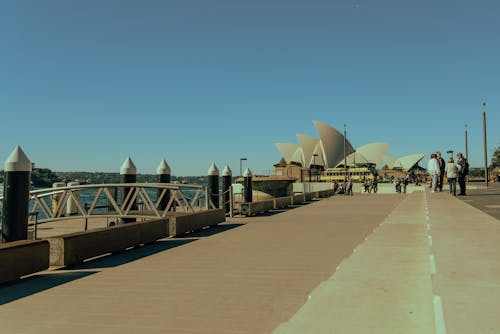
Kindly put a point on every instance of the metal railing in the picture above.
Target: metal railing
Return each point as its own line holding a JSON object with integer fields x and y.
{"x": 141, "y": 200}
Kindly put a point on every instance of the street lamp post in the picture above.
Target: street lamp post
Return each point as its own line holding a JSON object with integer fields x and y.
{"x": 485, "y": 146}
{"x": 241, "y": 166}
{"x": 314, "y": 164}
{"x": 466, "y": 144}
{"x": 345, "y": 154}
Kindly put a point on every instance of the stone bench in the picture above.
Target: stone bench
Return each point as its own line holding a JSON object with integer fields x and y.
{"x": 325, "y": 193}
{"x": 282, "y": 202}
{"x": 190, "y": 222}
{"x": 20, "y": 258}
{"x": 74, "y": 248}
{"x": 252, "y": 208}
{"x": 298, "y": 199}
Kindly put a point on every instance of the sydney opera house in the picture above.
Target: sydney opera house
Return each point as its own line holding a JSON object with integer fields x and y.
{"x": 327, "y": 151}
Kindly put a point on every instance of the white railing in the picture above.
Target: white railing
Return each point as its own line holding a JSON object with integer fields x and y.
{"x": 139, "y": 202}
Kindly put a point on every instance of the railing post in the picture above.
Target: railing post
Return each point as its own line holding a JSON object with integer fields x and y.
{"x": 35, "y": 227}
{"x": 128, "y": 174}
{"x": 226, "y": 186}
{"x": 164, "y": 173}
{"x": 56, "y": 197}
{"x": 231, "y": 201}
{"x": 207, "y": 199}
{"x": 71, "y": 207}
{"x": 247, "y": 184}
{"x": 17, "y": 181}
{"x": 213, "y": 185}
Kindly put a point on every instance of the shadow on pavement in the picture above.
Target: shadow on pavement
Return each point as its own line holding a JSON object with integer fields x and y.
{"x": 210, "y": 231}
{"x": 37, "y": 283}
{"x": 130, "y": 255}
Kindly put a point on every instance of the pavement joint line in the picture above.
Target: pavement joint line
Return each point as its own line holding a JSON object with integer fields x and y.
{"x": 432, "y": 262}
{"x": 438, "y": 315}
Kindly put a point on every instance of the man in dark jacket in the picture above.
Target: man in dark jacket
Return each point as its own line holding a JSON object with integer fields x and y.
{"x": 463, "y": 170}
{"x": 441, "y": 164}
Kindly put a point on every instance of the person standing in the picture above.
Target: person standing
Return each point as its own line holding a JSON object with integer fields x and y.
{"x": 463, "y": 171}
{"x": 433, "y": 169}
{"x": 441, "y": 163}
{"x": 452, "y": 174}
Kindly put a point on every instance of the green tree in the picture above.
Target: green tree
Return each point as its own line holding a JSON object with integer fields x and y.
{"x": 495, "y": 159}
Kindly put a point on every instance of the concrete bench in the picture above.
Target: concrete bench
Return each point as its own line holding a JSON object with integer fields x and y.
{"x": 298, "y": 199}
{"x": 74, "y": 248}
{"x": 190, "y": 222}
{"x": 20, "y": 258}
{"x": 309, "y": 197}
{"x": 325, "y": 193}
{"x": 252, "y": 208}
{"x": 282, "y": 202}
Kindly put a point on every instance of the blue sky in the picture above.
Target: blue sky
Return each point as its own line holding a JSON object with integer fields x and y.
{"x": 85, "y": 83}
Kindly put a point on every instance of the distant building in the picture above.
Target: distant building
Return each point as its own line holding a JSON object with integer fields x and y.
{"x": 311, "y": 156}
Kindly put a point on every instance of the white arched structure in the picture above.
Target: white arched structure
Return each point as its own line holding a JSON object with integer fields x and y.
{"x": 332, "y": 143}
{"x": 319, "y": 160}
{"x": 374, "y": 152}
{"x": 390, "y": 161}
{"x": 353, "y": 158}
{"x": 409, "y": 161}
{"x": 311, "y": 150}
{"x": 290, "y": 152}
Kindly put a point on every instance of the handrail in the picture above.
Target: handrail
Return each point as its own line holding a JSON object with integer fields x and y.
{"x": 136, "y": 192}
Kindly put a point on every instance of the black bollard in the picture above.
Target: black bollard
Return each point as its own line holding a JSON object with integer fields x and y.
{"x": 247, "y": 185}
{"x": 226, "y": 185}
{"x": 128, "y": 174}
{"x": 213, "y": 185}
{"x": 16, "y": 189}
{"x": 163, "y": 172}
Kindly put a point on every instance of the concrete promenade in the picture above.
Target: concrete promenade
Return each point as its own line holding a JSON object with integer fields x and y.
{"x": 385, "y": 263}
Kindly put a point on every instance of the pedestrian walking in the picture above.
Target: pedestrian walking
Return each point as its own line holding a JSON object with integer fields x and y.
{"x": 452, "y": 174}
{"x": 463, "y": 171}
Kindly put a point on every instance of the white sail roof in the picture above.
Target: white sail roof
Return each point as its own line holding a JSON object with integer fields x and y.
{"x": 390, "y": 161}
{"x": 353, "y": 158}
{"x": 309, "y": 147}
{"x": 409, "y": 161}
{"x": 374, "y": 152}
{"x": 333, "y": 144}
{"x": 290, "y": 152}
{"x": 319, "y": 160}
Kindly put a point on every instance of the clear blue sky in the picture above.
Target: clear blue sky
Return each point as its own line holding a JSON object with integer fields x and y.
{"x": 85, "y": 83}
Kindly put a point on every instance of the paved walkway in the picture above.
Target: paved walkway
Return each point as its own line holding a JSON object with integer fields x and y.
{"x": 418, "y": 263}
{"x": 485, "y": 199}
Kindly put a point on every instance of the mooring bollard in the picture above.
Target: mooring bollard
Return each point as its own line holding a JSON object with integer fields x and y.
{"x": 128, "y": 174}
{"x": 16, "y": 196}
{"x": 163, "y": 172}
{"x": 247, "y": 186}
{"x": 213, "y": 186}
{"x": 227, "y": 176}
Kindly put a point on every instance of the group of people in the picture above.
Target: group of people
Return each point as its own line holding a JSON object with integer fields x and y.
{"x": 370, "y": 185}
{"x": 344, "y": 188}
{"x": 401, "y": 183}
{"x": 455, "y": 171}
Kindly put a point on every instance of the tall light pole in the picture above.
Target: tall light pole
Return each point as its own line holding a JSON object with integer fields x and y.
{"x": 345, "y": 155}
{"x": 466, "y": 144}
{"x": 485, "y": 146}
{"x": 314, "y": 164}
{"x": 241, "y": 165}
